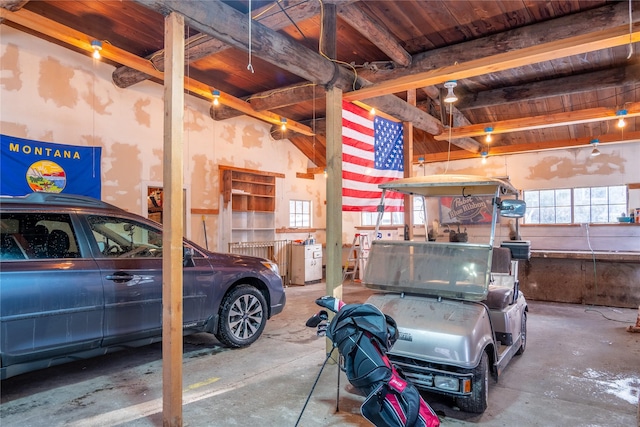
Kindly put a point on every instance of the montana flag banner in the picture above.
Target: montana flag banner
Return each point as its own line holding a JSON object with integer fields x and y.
{"x": 31, "y": 166}
{"x": 372, "y": 153}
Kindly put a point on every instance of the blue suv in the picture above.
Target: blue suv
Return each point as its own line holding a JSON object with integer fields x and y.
{"x": 80, "y": 278}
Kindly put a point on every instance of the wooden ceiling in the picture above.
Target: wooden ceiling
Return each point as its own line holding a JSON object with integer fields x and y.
{"x": 541, "y": 74}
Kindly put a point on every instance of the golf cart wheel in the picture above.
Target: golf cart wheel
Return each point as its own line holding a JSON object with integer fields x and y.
{"x": 243, "y": 316}
{"x": 523, "y": 334}
{"x": 479, "y": 400}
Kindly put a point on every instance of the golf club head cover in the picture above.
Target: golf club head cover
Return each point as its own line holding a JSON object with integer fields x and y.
{"x": 322, "y": 329}
{"x": 317, "y": 318}
{"x": 333, "y": 304}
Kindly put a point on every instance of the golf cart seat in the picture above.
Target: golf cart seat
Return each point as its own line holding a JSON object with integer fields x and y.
{"x": 499, "y": 296}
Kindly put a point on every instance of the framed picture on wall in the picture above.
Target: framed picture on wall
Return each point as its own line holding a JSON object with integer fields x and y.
{"x": 465, "y": 210}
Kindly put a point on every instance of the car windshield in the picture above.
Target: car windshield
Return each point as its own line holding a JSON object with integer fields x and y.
{"x": 454, "y": 260}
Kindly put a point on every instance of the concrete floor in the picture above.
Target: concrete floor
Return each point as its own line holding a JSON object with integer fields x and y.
{"x": 581, "y": 368}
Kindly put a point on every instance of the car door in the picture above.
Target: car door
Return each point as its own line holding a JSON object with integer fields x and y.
{"x": 52, "y": 297}
{"x": 129, "y": 255}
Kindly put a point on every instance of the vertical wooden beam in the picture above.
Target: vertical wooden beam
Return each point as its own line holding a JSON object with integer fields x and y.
{"x": 408, "y": 158}
{"x": 334, "y": 192}
{"x": 334, "y": 164}
{"x": 333, "y": 101}
{"x": 173, "y": 215}
{"x": 329, "y": 41}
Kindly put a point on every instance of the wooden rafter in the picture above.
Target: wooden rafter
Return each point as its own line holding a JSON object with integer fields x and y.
{"x": 540, "y": 122}
{"x": 82, "y": 41}
{"x": 613, "y": 138}
{"x": 530, "y": 55}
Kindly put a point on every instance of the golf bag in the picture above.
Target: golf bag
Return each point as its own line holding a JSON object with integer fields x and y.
{"x": 363, "y": 335}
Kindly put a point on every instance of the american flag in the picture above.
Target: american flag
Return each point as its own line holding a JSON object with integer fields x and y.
{"x": 372, "y": 153}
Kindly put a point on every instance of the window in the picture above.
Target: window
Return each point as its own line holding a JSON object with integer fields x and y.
{"x": 299, "y": 213}
{"x": 396, "y": 218}
{"x": 575, "y": 206}
{"x": 388, "y": 218}
{"x": 37, "y": 235}
{"x": 418, "y": 210}
{"x": 123, "y": 238}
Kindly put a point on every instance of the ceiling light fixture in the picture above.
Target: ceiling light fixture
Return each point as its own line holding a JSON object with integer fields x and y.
{"x": 216, "y": 97}
{"x": 372, "y": 111}
{"x": 97, "y": 47}
{"x": 595, "y": 151}
{"x": 488, "y": 130}
{"x": 484, "y": 156}
{"x": 450, "y": 97}
{"x": 284, "y": 123}
{"x": 621, "y": 121}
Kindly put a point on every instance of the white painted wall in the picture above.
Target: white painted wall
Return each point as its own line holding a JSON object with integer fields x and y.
{"x": 52, "y": 94}
{"x": 568, "y": 168}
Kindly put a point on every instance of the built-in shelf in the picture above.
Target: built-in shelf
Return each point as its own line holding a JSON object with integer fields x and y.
{"x": 249, "y": 198}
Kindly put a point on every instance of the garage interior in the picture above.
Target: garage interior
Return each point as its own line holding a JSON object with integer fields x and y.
{"x": 263, "y": 83}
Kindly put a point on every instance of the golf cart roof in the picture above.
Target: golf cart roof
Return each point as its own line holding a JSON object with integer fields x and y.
{"x": 450, "y": 185}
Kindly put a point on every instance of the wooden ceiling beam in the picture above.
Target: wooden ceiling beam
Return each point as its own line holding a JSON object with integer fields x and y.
{"x": 597, "y": 80}
{"x": 203, "y": 45}
{"x": 609, "y": 16}
{"x": 375, "y": 33}
{"x": 227, "y": 24}
{"x": 13, "y": 5}
{"x": 614, "y": 138}
{"x": 565, "y": 118}
{"x": 504, "y": 61}
{"x": 83, "y": 41}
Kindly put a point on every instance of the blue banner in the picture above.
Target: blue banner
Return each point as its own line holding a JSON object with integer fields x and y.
{"x": 31, "y": 166}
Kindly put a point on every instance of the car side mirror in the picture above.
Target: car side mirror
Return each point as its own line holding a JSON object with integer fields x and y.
{"x": 512, "y": 208}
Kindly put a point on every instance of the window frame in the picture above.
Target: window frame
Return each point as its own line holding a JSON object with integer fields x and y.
{"x": 293, "y": 215}
{"x": 573, "y": 205}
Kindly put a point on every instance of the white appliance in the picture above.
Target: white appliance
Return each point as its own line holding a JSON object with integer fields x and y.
{"x": 306, "y": 264}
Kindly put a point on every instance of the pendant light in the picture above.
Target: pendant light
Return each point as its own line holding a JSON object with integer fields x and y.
{"x": 595, "y": 151}
{"x": 450, "y": 97}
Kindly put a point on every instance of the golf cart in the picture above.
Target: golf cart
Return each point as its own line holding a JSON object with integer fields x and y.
{"x": 454, "y": 296}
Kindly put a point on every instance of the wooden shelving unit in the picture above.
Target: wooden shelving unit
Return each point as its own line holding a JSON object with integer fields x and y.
{"x": 249, "y": 191}
{"x": 249, "y": 199}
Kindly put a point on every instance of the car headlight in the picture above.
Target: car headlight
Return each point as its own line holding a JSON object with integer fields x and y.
{"x": 272, "y": 266}
{"x": 446, "y": 383}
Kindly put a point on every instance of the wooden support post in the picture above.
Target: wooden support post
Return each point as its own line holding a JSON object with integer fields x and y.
{"x": 408, "y": 164}
{"x": 173, "y": 229}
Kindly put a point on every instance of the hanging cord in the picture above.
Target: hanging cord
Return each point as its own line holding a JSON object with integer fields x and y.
{"x": 249, "y": 65}
{"x": 449, "y": 147}
{"x": 630, "y": 31}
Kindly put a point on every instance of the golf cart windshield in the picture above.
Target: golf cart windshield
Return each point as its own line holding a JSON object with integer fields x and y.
{"x": 455, "y": 260}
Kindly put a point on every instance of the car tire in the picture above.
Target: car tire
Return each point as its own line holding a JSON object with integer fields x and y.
{"x": 243, "y": 316}
{"x": 479, "y": 400}
{"x": 523, "y": 334}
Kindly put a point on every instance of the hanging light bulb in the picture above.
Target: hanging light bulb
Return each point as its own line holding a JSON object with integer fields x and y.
{"x": 484, "y": 155}
{"x": 450, "y": 97}
{"x": 595, "y": 151}
{"x": 372, "y": 111}
{"x": 216, "y": 97}
{"x": 621, "y": 121}
{"x": 283, "y": 127}
{"x": 97, "y": 47}
{"x": 488, "y": 130}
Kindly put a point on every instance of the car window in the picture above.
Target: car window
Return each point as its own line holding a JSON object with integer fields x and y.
{"x": 125, "y": 238}
{"x": 26, "y": 235}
